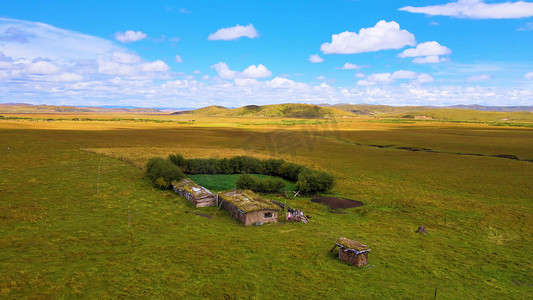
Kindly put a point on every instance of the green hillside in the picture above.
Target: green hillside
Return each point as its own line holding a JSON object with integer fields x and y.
{"x": 275, "y": 110}
{"x": 377, "y": 110}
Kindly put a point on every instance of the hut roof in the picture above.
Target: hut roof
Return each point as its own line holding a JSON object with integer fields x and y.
{"x": 354, "y": 245}
{"x": 248, "y": 201}
{"x": 193, "y": 188}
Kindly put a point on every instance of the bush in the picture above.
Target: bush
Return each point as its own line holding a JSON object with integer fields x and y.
{"x": 311, "y": 182}
{"x": 267, "y": 185}
{"x": 272, "y": 166}
{"x": 178, "y": 160}
{"x": 246, "y": 164}
{"x": 161, "y": 172}
{"x": 270, "y": 185}
{"x": 290, "y": 171}
{"x": 246, "y": 182}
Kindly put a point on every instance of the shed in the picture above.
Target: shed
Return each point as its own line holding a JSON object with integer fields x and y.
{"x": 352, "y": 252}
{"x": 248, "y": 207}
{"x": 198, "y": 195}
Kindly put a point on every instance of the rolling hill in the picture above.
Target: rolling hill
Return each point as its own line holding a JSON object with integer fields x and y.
{"x": 274, "y": 110}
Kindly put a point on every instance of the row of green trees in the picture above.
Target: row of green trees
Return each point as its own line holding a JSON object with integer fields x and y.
{"x": 307, "y": 180}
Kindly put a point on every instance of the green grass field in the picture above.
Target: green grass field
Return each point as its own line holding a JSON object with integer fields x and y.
{"x": 224, "y": 182}
{"x": 68, "y": 191}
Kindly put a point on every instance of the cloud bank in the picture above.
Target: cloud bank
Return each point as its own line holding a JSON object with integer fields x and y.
{"x": 476, "y": 9}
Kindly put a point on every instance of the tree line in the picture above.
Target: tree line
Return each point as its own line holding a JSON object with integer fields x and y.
{"x": 163, "y": 171}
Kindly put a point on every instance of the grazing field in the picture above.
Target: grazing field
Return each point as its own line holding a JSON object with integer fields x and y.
{"x": 224, "y": 182}
{"x": 70, "y": 189}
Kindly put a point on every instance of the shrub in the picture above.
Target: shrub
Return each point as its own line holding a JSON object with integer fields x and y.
{"x": 290, "y": 171}
{"x": 311, "y": 182}
{"x": 267, "y": 185}
{"x": 246, "y": 164}
{"x": 272, "y": 166}
{"x": 270, "y": 185}
{"x": 178, "y": 160}
{"x": 246, "y": 182}
{"x": 161, "y": 172}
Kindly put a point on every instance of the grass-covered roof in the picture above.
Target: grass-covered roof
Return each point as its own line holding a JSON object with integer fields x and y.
{"x": 248, "y": 201}
{"x": 346, "y": 243}
{"x": 193, "y": 188}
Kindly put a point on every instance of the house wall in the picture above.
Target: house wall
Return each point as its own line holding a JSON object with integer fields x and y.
{"x": 251, "y": 217}
{"x": 204, "y": 202}
{"x": 358, "y": 260}
{"x": 259, "y": 216}
{"x": 234, "y": 211}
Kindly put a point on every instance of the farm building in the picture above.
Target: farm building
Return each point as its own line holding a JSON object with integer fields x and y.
{"x": 352, "y": 252}
{"x": 249, "y": 207}
{"x": 196, "y": 194}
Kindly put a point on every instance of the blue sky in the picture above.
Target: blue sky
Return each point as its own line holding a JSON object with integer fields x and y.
{"x": 233, "y": 53}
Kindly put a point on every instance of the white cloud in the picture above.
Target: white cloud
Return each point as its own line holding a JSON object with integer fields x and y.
{"x": 38, "y": 40}
{"x": 258, "y": 71}
{"x": 245, "y": 82}
{"x": 155, "y": 66}
{"x": 426, "y": 49}
{"x": 224, "y": 72}
{"x": 428, "y": 52}
{"x": 349, "y": 66}
{"x": 321, "y": 78}
{"x": 279, "y": 82}
{"x": 380, "y": 77}
{"x": 185, "y": 11}
{"x": 424, "y": 78}
{"x": 197, "y": 72}
{"x": 178, "y": 59}
{"x": 117, "y": 69}
{"x": 477, "y": 9}
{"x": 429, "y": 60}
{"x": 401, "y": 74}
{"x": 67, "y": 77}
{"x": 388, "y": 78}
{"x": 205, "y": 77}
{"x": 129, "y": 36}
{"x": 483, "y": 77}
{"x": 233, "y": 33}
{"x": 42, "y": 67}
{"x": 314, "y": 58}
{"x": 528, "y": 75}
{"x": 366, "y": 82}
{"x": 384, "y": 35}
{"x": 360, "y": 75}
{"x": 125, "y": 57}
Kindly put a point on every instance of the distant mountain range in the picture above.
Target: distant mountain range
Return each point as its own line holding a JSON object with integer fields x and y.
{"x": 273, "y": 110}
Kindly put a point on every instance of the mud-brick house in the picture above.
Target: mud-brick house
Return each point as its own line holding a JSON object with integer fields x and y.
{"x": 352, "y": 252}
{"x": 196, "y": 194}
{"x": 248, "y": 207}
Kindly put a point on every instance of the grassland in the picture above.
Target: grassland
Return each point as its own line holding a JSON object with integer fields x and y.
{"x": 224, "y": 182}
{"x": 68, "y": 189}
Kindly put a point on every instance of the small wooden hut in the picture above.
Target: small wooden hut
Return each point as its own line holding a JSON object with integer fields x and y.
{"x": 196, "y": 194}
{"x": 352, "y": 252}
{"x": 248, "y": 207}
